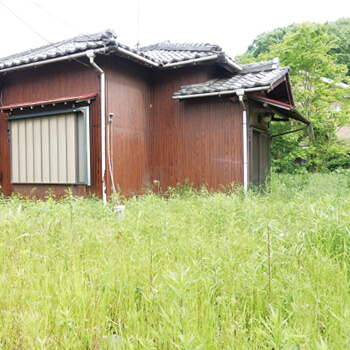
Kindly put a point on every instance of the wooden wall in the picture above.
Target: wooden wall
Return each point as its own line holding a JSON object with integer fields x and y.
{"x": 43, "y": 83}
{"x": 153, "y": 136}
{"x": 129, "y": 99}
{"x": 197, "y": 139}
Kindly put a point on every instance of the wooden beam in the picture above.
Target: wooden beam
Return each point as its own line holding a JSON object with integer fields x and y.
{"x": 259, "y": 127}
{"x": 278, "y": 82}
{"x": 289, "y": 132}
{"x": 274, "y": 119}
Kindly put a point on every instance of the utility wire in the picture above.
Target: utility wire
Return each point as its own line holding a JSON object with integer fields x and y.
{"x": 60, "y": 20}
{"x": 41, "y": 36}
{"x": 138, "y": 24}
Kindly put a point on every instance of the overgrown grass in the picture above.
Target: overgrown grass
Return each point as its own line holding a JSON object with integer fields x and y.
{"x": 190, "y": 271}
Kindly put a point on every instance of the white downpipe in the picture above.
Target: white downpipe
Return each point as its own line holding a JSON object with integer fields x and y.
{"x": 240, "y": 94}
{"x": 91, "y": 56}
{"x": 245, "y": 152}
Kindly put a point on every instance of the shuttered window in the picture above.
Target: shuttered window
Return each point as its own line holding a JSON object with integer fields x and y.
{"x": 51, "y": 149}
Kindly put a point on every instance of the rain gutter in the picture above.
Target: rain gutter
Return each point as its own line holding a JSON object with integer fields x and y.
{"x": 138, "y": 57}
{"x": 220, "y": 93}
{"x": 203, "y": 59}
{"x": 51, "y": 60}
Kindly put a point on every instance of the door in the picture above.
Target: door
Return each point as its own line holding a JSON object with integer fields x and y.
{"x": 260, "y": 157}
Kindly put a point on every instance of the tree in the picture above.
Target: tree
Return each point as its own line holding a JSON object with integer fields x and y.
{"x": 316, "y": 79}
{"x": 340, "y": 30}
{"x": 264, "y": 41}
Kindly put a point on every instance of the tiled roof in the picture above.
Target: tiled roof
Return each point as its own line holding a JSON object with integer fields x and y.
{"x": 253, "y": 75}
{"x": 62, "y": 48}
{"x": 159, "y": 54}
{"x": 260, "y": 66}
{"x": 167, "y": 52}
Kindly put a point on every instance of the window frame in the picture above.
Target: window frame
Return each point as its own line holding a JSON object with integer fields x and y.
{"x": 85, "y": 152}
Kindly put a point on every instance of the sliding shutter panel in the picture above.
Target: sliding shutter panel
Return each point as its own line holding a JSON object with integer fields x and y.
{"x": 37, "y": 158}
{"x": 50, "y": 149}
{"x": 14, "y": 152}
{"x": 71, "y": 160}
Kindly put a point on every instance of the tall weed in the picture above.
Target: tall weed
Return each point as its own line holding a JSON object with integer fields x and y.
{"x": 188, "y": 270}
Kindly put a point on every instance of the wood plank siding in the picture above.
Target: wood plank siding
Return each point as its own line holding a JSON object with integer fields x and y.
{"x": 129, "y": 99}
{"x": 152, "y": 136}
{"x": 199, "y": 140}
{"x": 68, "y": 78}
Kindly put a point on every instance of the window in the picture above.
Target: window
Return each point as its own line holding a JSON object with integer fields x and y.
{"x": 51, "y": 148}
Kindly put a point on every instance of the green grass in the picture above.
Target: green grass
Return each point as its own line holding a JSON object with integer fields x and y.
{"x": 190, "y": 271}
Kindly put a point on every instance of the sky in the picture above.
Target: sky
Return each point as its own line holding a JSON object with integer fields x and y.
{"x": 231, "y": 24}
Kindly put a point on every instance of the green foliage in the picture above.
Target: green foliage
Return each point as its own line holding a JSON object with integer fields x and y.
{"x": 191, "y": 271}
{"x": 264, "y": 41}
{"x": 316, "y": 79}
{"x": 340, "y": 30}
{"x": 339, "y": 165}
{"x": 287, "y": 149}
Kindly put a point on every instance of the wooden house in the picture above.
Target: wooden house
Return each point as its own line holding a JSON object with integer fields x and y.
{"x": 94, "y": 115}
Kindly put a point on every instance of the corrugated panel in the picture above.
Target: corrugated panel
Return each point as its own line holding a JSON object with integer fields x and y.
{"x": 256, "y": 158}
{"x": 264, "y": 157}
{"x": 50, "y": 149}
{"x": 261, "y": 157}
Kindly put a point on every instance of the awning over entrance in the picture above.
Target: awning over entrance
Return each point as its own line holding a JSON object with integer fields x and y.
{"x": 280, "y": 108}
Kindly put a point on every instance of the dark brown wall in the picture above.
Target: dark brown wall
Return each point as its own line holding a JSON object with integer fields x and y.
{"x": 146, "y": 124}
{"x": 129, "y": 99}
{"x": 154, "y": 136}
{"x": 43, "y": 83}
{"x": 198, "y": 139}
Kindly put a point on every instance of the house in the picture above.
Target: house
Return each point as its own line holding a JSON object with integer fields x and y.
{"x": 94, "y": 115}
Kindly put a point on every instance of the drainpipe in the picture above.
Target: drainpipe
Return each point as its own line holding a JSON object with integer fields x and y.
{"x": 91, "y": 55}
{"x": 240, "y": 94}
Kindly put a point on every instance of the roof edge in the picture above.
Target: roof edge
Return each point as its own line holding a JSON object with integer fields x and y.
{"x": 76, "y": 99}
{"x": 220, "y": 93}
{"x": 68, "y": 57}
{"x": 278, "y": 106}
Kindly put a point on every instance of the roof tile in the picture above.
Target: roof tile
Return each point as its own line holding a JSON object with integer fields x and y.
{"x": 238, "y": 81}
{"x": 62, "y": 48}
{"x": 161, "y": 53}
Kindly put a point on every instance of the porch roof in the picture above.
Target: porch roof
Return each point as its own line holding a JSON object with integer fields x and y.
{"x": 281, "y": 108}
{"x": 258, "y": 75}
{"x": 43, "y": 103}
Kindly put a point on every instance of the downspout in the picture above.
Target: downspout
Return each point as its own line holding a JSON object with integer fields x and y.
{"x": 240, "y": 94}
{"x": 91, "y": 55}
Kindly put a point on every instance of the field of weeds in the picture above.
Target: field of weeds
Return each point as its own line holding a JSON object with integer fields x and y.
{"x": 192, "y": 270}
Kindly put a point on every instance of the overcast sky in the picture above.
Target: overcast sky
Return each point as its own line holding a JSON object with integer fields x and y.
{"x": 229, "y": 23}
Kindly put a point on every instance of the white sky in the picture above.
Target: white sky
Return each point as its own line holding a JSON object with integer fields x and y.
{"x": 229, "y": 23}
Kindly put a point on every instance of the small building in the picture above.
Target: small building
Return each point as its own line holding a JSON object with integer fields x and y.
{"x": 97, "y": 116}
